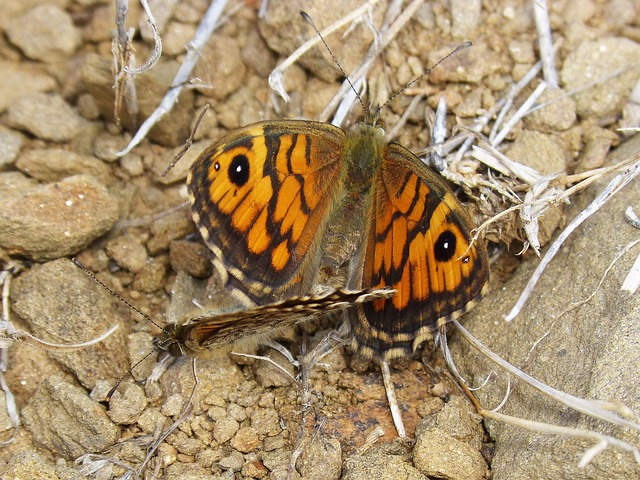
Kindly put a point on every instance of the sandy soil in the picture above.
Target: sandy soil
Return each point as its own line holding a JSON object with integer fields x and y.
{"x": 66, "y": 193}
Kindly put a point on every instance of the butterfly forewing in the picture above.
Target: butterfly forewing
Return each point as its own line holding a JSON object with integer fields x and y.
{"x": 261, "y": 197}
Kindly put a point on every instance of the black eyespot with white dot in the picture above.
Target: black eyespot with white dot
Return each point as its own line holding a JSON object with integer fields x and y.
{"x": 445, "y": 246}
{"x": 216, "y": 166}
{"x": 239, "y": 170}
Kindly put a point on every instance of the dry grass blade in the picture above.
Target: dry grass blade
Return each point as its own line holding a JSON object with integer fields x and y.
{"x": 611, "y": 412}
{"x": 209, "y": 22}
{"x": 632, "y": 280}
{"x": 611, "y": 189}
{"x": 63, "y": 347}
{"x": 545, "y": 42}
{"x": 10, "y": 400}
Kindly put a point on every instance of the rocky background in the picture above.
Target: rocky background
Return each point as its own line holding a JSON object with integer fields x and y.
{"x": 65, "y": 192}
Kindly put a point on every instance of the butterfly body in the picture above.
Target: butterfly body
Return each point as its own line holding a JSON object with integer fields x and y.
{"x": 273, "y": 198}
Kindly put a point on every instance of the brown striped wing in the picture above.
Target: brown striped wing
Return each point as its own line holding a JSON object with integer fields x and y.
{"x": 261, "y": 197}
{"x": 208, "y": 330}
{"x": 419, "y": 244}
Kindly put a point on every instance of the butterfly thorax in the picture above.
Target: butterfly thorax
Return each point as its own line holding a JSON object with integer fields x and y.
{"x": 363, "y": 155}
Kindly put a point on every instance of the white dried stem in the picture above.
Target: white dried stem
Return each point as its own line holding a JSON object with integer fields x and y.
{"x": 499, "y": 162}
{"x": 64, "y": 347}
{"x": 611, "y": 189}
{"x": 392, "y": 399}
{"x": 630, "y": 215}
{"x": 510, "y": 97}
{"x": 545, "y": 43}
{"x": 268, "y": 360}
{"x": 157, "y": 44}
{"x": 632, "y": 280}
{"x": 209, "y": 22}
{"x": 276, "y": 77}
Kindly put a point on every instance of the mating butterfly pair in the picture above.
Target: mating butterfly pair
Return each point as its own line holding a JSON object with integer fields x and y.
{"x": 269, "y": 198}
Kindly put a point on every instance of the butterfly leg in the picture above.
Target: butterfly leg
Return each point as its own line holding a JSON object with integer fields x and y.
{"x": 391, "y": 398}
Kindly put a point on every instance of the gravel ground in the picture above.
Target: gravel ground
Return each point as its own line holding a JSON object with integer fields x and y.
{"x": 66, "y": 193}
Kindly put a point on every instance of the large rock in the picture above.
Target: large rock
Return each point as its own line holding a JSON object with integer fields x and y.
{"x": 56, "y": 220}
{"x": 590, "y": 351}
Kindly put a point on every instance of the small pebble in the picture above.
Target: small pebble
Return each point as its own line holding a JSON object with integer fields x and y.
{"x": 45, "y": 33}
{"x": 125, "y": 407}
{"x": 46, "y": 116}
{"x": 10, "y": 145}
{"x": 245, "y": 440}
{"x": 225, "y": 429}
{"x": 128, "y": 253}
{"x": 52, "y": 165}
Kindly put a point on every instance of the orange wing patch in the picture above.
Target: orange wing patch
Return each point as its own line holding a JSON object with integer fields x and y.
{"x": 419, "y": 245}
{"x": 262, "y": 194}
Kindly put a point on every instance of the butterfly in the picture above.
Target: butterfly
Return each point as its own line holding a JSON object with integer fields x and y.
{"x": 265, "y": 197}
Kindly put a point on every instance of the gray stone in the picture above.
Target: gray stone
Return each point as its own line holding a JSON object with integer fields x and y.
{"x": 470, "y": 65}
{"x": 590, "y": 351}
{"x": 558, "y": 115}
{"x": 448, "y": 443}
{"x": 465, "y": 17}
{"x": 225, "y": 429}
{"x": 29, "y": 464}
{"x": 595, "y": 61}
{"x": 56, "y": 220}
{"x": 10, "y": 145}
{"x": 14, "y": 184}
{"x": 52, "y": 165}
{"x": 228, "y": 74}
{"x": 62, "y": 418}
{"x": 321, "y": 459}
{"x": 62, "y": 304}
{"x": 379, "y": 467}
{"x": 46, "y": 116}
{"x": 127, "y": 404}
{"x": 45, "y": 33}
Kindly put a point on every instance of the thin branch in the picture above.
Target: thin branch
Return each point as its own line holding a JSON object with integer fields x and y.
{"x": 207, "y": 25}
{"x": 545, "y": 43}
{"x": 611, "y": 189}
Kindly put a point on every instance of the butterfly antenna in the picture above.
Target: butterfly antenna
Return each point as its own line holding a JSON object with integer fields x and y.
{"x": 130, "y": 372}
{"x": 132, "y": 307}
{"x": 108, "y": 289}
{"x": 307, "y": 18}
{"x": 425, "y": 73}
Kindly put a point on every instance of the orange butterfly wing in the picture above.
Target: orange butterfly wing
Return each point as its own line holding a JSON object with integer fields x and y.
{"x": 418, "y": 243}
{"x": 261, "y": 197}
